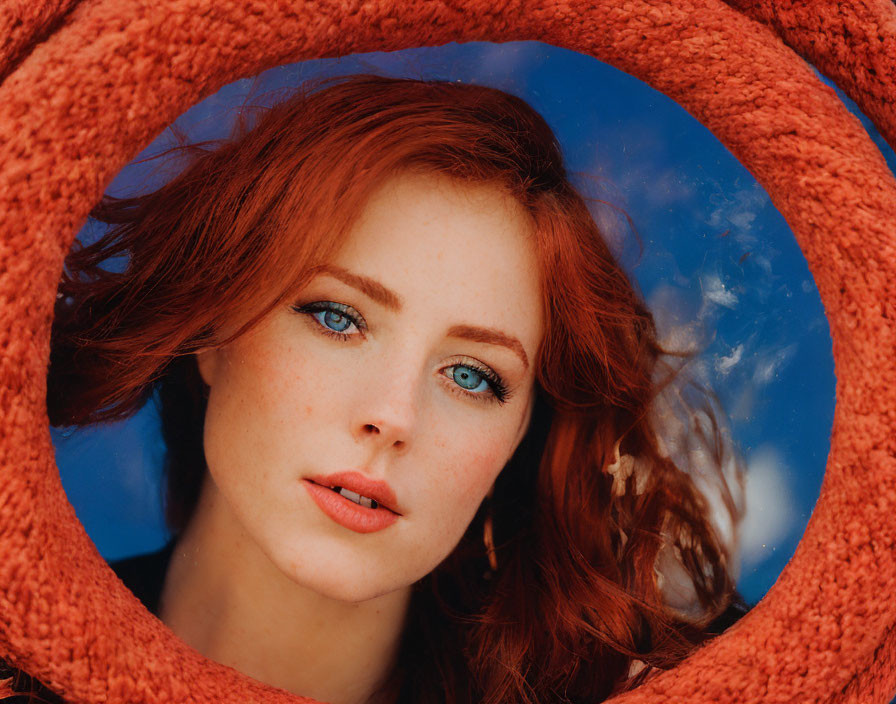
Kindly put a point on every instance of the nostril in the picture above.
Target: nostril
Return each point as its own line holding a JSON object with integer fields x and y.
{"x": 371, "y": 427}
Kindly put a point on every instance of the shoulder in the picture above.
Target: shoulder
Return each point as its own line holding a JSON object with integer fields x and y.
{"x": 144, "y": 574}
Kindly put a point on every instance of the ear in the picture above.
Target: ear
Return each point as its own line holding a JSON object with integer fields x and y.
{"x": 207, "y": 360}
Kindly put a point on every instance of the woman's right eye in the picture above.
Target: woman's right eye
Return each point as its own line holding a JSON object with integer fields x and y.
{"x": 334, "y": 319}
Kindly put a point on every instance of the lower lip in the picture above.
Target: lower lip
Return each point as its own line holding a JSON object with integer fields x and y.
{"x": 347, "y": 513}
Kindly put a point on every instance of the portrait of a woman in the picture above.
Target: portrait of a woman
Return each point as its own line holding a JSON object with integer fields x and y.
{"x": 420, "y": 431}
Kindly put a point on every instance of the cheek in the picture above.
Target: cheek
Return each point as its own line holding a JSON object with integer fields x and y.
{"x": 487, "y": 461}
{"x": 259, "y": 394}
{"x": 272, "y": 382}
{"x": 475, "y": 465}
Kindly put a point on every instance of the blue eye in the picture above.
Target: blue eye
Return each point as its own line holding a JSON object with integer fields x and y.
{"x": 469, "y": 379}
{"x": 334, "y": 318}
{"x": 477, "y": 382}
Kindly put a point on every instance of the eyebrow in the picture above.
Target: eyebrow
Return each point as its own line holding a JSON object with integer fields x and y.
{"x": 491, "y": 337}
{"x": 391, "y": 300}
{"x": 369, "y": 287}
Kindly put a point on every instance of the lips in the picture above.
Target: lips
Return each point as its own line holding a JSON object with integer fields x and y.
{"x": 358, "y": 483}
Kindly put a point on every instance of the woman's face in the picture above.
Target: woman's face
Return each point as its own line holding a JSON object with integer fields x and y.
{"x": 410, "y": 361}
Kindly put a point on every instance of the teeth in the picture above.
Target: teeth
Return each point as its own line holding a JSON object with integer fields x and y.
{"x": 357, "y": 498}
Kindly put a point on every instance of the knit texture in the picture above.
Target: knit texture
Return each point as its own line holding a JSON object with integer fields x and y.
{"x": 87, "y": 85}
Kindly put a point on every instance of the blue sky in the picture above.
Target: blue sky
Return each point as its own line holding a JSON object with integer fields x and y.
{"x": 720, "y": 269}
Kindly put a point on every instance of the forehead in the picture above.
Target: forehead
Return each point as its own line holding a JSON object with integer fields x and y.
{"x": 433, "y": 214}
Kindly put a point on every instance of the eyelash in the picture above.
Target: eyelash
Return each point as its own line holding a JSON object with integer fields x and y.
{"x": 499, "y": 391}
{"x": 330, "y": 306}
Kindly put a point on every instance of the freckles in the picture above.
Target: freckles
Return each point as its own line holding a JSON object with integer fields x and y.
{"x": 480, "y": 466}
{"x": 278, "y": 381}
{"x": 488, "y": 458}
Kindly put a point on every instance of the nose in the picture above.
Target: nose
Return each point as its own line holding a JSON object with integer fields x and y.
{"x": 387, "y": 414}
{"x": 382, "y": 433}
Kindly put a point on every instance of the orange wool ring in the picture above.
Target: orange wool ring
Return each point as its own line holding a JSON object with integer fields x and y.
{"x": 86, "y": 85}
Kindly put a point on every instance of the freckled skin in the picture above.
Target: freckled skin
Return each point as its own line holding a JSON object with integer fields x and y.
{"x": 287, "y": 401}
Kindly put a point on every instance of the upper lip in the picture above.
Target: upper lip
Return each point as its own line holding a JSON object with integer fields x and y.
{"x": 375, "y": 489}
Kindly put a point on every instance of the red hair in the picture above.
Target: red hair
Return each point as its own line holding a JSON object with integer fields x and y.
{"x": 241, "y": 228}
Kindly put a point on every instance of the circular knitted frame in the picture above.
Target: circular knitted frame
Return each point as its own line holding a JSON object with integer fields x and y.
{"x": 87, "y": 85}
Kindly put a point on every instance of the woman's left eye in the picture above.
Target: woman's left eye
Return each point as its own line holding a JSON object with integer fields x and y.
{"x": 334, "y": 318}
{"x": 478, "y": 382}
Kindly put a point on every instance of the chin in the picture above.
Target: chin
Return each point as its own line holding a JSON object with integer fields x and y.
{"x": 350, "y": 583}
{"x": 355, "y": 588}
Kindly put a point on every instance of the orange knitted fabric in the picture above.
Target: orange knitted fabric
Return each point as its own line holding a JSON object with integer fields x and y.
{"x": 86, "y": 85}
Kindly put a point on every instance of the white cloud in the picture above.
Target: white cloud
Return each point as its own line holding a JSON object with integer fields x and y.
{"x": 716, "y": 292}
{"x": 770, "y": 507}
{"x": 742, "y": 220}
{"x": 738, "y": 211}
{"x": 768, "y": 366}
{"x": 724, "y": 365}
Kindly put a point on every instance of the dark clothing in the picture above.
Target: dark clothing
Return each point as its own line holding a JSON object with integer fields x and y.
{"x": 735, "y": 611}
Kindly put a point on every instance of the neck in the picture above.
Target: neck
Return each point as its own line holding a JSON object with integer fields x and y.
{"x": 226, "y": 599}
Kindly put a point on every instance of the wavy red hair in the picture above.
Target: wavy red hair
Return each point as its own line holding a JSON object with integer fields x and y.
{"x": 576, "y": 598}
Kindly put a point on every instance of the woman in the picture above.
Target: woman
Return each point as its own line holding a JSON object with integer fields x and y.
{"x": 423, "y": 444}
